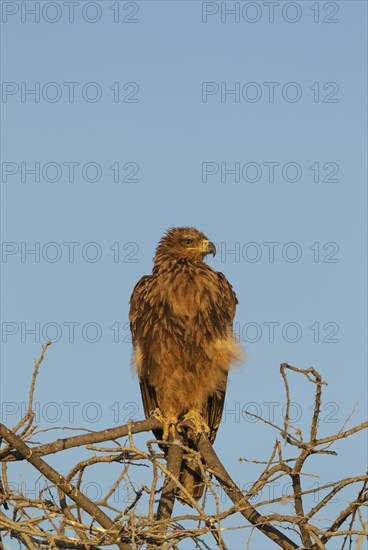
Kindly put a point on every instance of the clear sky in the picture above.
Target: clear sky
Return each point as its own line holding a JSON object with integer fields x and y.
{"x": 249, "y": 125}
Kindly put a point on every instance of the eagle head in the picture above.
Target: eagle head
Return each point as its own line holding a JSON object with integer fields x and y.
{"x": 183, "y": 243}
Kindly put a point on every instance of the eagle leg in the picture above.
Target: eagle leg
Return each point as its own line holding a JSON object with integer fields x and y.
{"x": 198, "y": 424}
{"x": 169, "y": 423}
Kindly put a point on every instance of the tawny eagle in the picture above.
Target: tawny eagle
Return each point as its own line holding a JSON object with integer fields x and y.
{"x": 181, "y": 321}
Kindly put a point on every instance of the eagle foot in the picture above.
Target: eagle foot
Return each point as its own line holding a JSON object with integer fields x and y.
{"x": 169, "y": 423}
{"x": 198, "y": 425}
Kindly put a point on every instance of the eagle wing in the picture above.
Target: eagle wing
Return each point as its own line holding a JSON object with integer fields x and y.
{"x": 227, "y": 301}
{"x": 140, "y": 315}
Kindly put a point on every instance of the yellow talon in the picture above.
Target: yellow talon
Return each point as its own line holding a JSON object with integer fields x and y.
{"x": 199, "y": 425}
{"x": 169, "y": 424}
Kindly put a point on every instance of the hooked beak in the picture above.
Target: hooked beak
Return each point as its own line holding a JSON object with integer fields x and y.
{"x": 208, "y": 247}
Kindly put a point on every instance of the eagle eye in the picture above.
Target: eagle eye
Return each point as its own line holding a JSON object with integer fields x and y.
{"x": 186, "y": 242}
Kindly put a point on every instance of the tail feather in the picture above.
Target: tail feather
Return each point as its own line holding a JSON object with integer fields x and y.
{"x": 191, "y": 478}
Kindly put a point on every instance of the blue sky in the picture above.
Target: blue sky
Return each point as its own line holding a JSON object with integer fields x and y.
{"x": 172, "y": 97}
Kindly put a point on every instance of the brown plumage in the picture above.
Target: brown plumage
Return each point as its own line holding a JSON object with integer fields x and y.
{"x": 181, "y": 322}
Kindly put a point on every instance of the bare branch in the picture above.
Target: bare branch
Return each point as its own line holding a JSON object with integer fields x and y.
{"x": 87, "y": 439}
{"x": 61, "y": 482}
{"x": 244, "y": 507}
